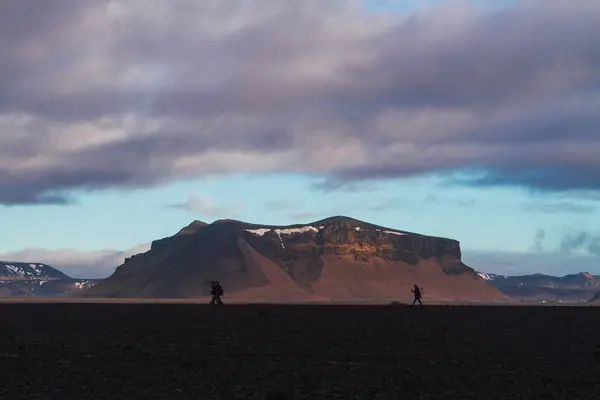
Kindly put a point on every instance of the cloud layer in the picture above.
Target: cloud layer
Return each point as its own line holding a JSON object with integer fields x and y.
{"x": 207, "y": 206}
{"x": 75, "y": 263}
{"x": 121, "y": 94}
{"x": 585, "y": 242}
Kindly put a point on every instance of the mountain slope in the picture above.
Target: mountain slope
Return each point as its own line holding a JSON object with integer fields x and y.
{"x": 335, "y": 258}
{"x": 540, "y": 287}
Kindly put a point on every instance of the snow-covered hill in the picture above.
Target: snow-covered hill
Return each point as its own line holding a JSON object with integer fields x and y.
{"x": 29, "y": 271}
{"x": 19, "y": 279}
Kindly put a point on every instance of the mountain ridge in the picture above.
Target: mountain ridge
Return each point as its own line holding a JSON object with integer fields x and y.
{"x": 542, "y": 287}
{"x": 336, "y": 219}
{"x": 26, "y": 279}
{"x": 22, "y": 279}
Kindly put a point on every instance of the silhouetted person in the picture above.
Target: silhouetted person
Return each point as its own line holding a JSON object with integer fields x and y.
{"x": 216, "y": 291}
{"x": 417, "y": 292}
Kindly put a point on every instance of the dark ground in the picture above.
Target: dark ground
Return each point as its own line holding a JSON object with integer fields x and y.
{"x": 128, "y": 351}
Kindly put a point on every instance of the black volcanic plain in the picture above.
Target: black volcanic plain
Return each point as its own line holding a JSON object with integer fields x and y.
{"x": 159, "y": 351}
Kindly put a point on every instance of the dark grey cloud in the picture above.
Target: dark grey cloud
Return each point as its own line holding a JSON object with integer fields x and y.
{"x": 591, "y": 197}
{"x": 540, "y": 178}
{"x": 340, "y": 185}
{"x": 538, "y": 244}
{"x": 585, "y": 242}
{"x": 569, "y": 207}
{"x": 122, "y": 94}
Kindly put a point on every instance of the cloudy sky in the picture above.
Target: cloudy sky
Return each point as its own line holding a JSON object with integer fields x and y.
{"x": 123, "y": 120}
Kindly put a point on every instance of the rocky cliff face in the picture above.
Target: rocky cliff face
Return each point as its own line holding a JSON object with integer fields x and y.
{"x": 338, "y": 254}
{"x": 340, "y": 236}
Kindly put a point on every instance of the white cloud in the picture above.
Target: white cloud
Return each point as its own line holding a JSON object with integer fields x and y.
{"x": 76, "y": 263}
{"x": 208, "y": 207}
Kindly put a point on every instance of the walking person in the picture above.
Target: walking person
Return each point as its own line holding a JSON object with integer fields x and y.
{"x": 417, "y": 293}
{"x": 216, "y": 291}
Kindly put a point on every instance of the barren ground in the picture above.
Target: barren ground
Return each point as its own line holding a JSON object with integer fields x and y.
{"x": 187, "y": 351}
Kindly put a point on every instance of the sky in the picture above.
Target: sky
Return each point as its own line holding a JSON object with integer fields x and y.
{"x": 121, "y": 121}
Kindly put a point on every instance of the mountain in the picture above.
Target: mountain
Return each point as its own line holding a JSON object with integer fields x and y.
{"x": 332, "y": 259}
{"x": 18, "y": 279}
{"x": 595, "y": 298}
{"x": 27, "y": 271}
{"x": 539, "y": 287}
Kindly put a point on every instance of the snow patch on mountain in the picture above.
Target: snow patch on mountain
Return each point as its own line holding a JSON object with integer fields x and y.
{"x": 22, "y": 270}
{"x": 83, "y": 284}
{"x": 287, "y": 231}
{"x": 279, "y": 232}
{"x": 489, "y": 277}
{"x": 395, "y": 233}
{"x": 296, "y": 230}
{"x": 259, "y": 232}
{"x": 309, "y": 228}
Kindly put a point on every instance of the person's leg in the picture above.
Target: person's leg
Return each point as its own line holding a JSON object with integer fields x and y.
{"x": 219, "y": 301}
{"x": 212, "y": 301}
{"x": 414, "y": 301}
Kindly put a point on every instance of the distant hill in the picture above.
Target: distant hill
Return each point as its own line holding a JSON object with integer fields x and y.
{"x": 18, "y": 279}
{"x": 20, "y": 270}
{"x": 337, "y": 258}
{"x": 538, "y": 287}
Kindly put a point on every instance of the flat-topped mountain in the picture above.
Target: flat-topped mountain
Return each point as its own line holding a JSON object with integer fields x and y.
{"x": 335, "y": 258}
